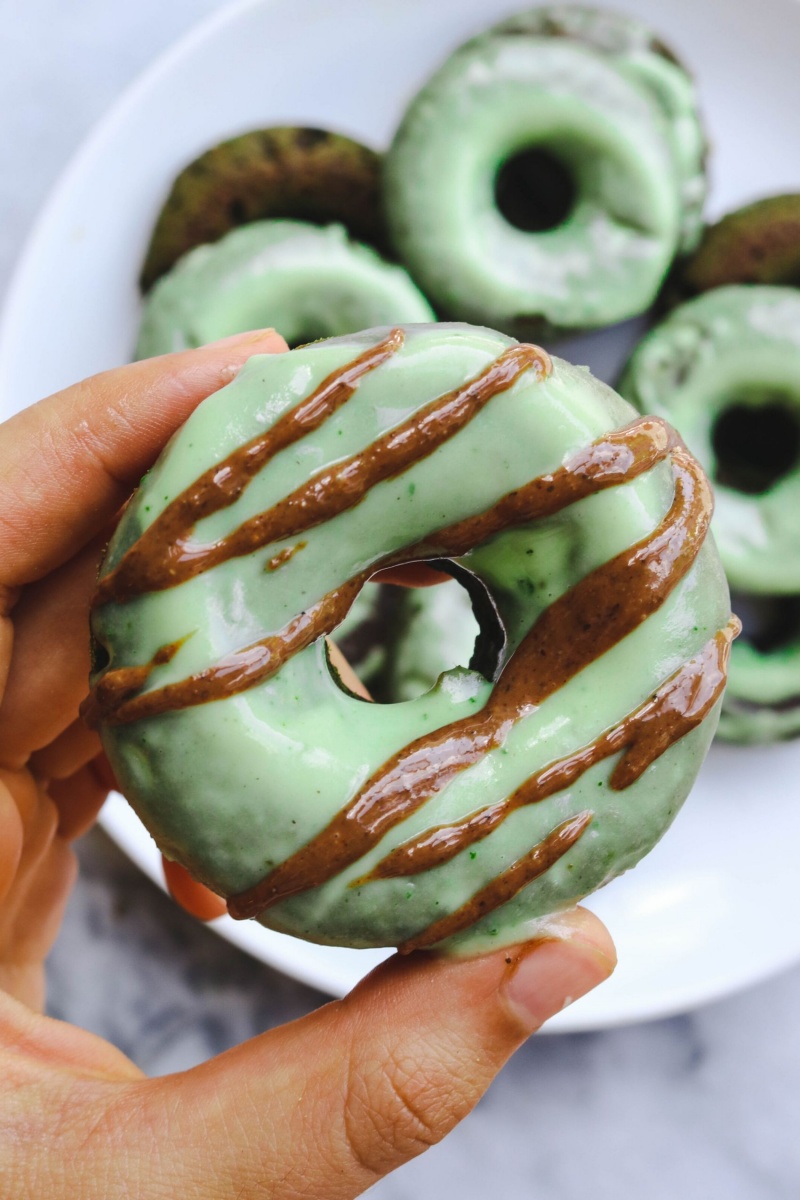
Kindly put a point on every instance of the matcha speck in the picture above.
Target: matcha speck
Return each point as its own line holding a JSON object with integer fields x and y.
{"x": 412, "y": 487}
{"x": 473, "y": 853}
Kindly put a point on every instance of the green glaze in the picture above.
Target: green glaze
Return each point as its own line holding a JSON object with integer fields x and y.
{"x": 733, "y": 346}
{"x": 307, "y": 282}
{"x": 762, "y": 701}
{"x": 234, "y": 787}
{"x": 738, "y": 345}
{"x": 639, "y": 54}
{"x": 622, "y": 123}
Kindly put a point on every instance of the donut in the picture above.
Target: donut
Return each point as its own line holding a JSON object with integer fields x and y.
{"x": 759, "y": 243}
{"x": 302, "y": 173}
{"x": 519, "y": 782}
{"x": 725, "y": 368}
{"x": 548, "y": 173}
{"x": 307, "y": 281}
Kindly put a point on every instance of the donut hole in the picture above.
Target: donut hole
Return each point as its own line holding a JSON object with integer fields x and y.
{"x": 534, "y": 191}
{"x": 769, "y": 623}
{"x": 100, "y": 657}
{"x": 756, "y": 442}
{"x": 307, "y": 335}
{"x": 411, "y": 635}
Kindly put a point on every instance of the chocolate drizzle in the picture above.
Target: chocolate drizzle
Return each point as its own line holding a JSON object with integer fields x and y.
{"x": 504, "y": 886}
{"x": 162, "y": 557}
{"x": 579, "y": 627}
{"x": 576, "y": 629}
{"x": 679, "y": 706}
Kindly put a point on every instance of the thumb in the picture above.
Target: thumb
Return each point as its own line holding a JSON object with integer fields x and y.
{"x": 329, "y": 1104}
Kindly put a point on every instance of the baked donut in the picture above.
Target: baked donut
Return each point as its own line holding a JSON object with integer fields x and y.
{"x": 304, "y": 280}
{"x": 759, "y": 243}
{"x": 288, "y": 171}
{"x": 505, "y": 792}
{"x": 548, "y": 173}
{"x": 725, "y": 368}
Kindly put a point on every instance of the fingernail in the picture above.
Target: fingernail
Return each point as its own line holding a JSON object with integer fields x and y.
{"x": 554, "y": 973}
{"x": 241, "y": 339}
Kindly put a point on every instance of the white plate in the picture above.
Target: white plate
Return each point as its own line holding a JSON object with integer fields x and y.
{"x": 715, "y": 906}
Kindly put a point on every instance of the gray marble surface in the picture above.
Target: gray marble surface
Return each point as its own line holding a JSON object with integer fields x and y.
{"x": 701, "y": 1106}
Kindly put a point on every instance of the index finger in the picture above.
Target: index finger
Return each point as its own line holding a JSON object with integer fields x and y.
{"x": 69, "y": 462}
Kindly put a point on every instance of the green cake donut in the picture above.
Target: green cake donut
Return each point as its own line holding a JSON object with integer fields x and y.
{"x": 725, "y": 368}
{"x": 286, "y": 172}
{"x": 546, "y": 176}
{"x": 305, "y": 281}
{"x": 462, "y": 816}
{"x": 762, "y": 703}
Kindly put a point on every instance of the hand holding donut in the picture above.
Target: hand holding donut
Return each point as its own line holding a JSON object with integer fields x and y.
{"x": 322, "y": 1107}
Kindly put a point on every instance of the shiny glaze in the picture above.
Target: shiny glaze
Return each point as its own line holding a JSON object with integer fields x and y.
{"x": 578, "y": 628}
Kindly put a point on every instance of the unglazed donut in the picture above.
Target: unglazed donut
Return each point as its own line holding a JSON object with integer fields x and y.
{"x": 285, "y": 172}
{"x": 462, "y": 816}
{"x": 725, "y": 368}
{"x": 759, "y": 243}
{"x": 308, "y": 282}
{"x": 591, "y": 109}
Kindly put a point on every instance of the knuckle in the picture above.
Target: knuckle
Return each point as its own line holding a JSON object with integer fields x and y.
{"x": 392, "y": 1112}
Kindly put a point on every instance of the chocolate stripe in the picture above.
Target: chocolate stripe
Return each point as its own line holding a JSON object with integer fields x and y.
{"x": 167, "y": 558}
{"x": 160, "y": 557}
{"x": 504, "y": 887}
{"x": 614, "y": 459}
{"x": 579, "y": 627}
{"x": 109, "y": 702}
{"x": 679, "y": 705}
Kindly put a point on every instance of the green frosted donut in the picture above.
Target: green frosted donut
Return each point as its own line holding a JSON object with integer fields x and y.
{"x": 639, "y": 54}
{"x": 725, "y": 370}
{"x": 461, "y": 816}
{"x": 543, "y": 181}
{"x": 762, "y": 703}
{"x": 303, "y": 280}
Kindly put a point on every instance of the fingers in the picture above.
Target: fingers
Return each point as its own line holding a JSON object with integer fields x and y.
{"x": 327, "y": 1105}
{"x": 78, "y": 800}
{"x": 70, "y": 751}
{"x": 50, "y": 664}
{"x": 33, "y": 904}
{"x": 69, "y": 462}
{"x": 197, "y": 900}
{"x": 412, "y": 575}
{"x": 11, "y": 838}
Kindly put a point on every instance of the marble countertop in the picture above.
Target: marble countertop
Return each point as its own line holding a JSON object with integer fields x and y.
{"x": 701, "y": 1106}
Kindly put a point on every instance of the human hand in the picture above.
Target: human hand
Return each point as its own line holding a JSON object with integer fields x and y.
{"x": 321, "y": 1107}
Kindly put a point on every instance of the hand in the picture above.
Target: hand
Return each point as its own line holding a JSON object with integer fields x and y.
{"x": 320, "y": 1108}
